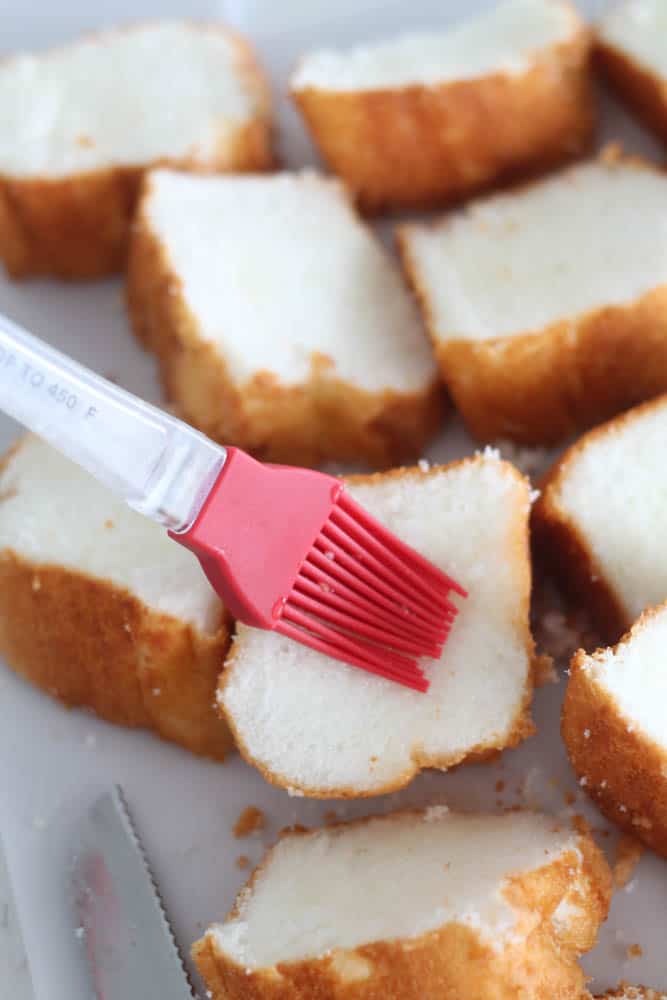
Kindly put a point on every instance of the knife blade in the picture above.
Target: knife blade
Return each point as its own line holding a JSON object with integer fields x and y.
{"x": 14, "y": 968}
{"x": 122, "y": 924}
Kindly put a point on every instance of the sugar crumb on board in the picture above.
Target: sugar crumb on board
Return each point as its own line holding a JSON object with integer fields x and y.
{"x": 627, "y": 992}
{"x": 545, "y": 670}
{"x": 628, "y": 854}
{"x": 250, "y": 821}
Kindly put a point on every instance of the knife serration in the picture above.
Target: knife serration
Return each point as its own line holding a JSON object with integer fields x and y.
{"x": 123, "y": 926}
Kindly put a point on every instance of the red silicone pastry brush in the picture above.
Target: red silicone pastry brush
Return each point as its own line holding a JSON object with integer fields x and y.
{"x": 286, "y": 549}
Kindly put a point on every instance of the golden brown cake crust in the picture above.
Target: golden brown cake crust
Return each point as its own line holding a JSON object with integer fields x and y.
{"x": 77, "y": 227}
{"x": 623, "y": 770}
{"x": 539, "y": 387}
{"x": 93, "y": 644}
{"x": 419, "y": 146}
{"x": 643, "y": 91}
{"x": 452, "y": 962}
{"x": 564, "y": 549}
{"x": 322, "y": 419}
{"x": 521, "y": 726}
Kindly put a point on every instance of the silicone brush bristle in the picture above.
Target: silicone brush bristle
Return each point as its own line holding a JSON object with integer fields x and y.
{"x": 364, "y": 596}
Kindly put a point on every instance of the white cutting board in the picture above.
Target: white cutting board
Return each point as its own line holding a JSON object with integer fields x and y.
{"x": 52, "y": 760}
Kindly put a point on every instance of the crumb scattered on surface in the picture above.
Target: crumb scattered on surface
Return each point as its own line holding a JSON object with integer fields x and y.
{"x": 628, "y": 853}
{"x": 250, "y": 821}
{"x": 580, "y": 824}
{"x": 545, "y": 670}
{"x": 435, "y": 813}
{"x": 627, "y": 992}
{"x": 242, "y": 861}
{"x": 634, "y": 951}
{"x": 108, "y": 523}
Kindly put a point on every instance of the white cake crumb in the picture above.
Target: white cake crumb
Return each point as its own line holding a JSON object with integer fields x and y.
{"x": 587, "y": 734}
{"x": 435, "y": 813}
{"x": 424, "y": 464}
{"x": 622, "y": 808}
{"x": 80, "y": 933}
{"x": 157, "y": 691}
{"x": 583, "y": 781}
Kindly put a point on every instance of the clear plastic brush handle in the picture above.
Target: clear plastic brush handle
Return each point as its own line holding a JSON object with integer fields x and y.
{"x": 156, "y": 463}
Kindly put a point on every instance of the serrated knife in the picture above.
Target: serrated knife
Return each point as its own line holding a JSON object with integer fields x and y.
{"x": 122, "y": 926}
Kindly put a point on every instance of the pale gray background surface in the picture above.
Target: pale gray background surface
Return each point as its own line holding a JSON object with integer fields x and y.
{"x": 52, "y": 760}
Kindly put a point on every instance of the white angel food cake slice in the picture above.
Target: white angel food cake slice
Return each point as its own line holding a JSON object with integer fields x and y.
{"x": 414, "y": 906}
{"x": 421, "y": 119}
{"x": 100, "y": 609}
{"x": 547, "y": 305}
{"x": 81, "y": 124}
{"x": 630, "y": 48}
{"x": 614, "y": 728}
{"x": 600, "y": 521}
{"x": 279, "y": 322}
{"x": 323, "y": 729}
